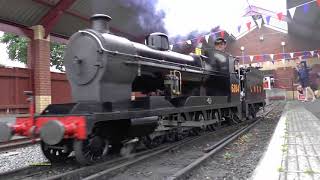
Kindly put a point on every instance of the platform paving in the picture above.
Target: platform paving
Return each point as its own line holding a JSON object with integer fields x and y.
{"x": 294, "y": 150}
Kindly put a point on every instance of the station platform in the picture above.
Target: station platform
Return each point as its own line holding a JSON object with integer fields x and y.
{"x": 294, "y": 150}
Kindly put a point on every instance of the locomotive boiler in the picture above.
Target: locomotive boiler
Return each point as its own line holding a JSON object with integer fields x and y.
{"x": 179, "y": 95}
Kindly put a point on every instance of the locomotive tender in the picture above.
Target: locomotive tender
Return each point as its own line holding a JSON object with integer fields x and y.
{"x": 181, "y": 94}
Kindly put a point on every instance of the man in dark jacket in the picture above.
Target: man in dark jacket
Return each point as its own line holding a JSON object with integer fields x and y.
{"x": 303, "y": 75}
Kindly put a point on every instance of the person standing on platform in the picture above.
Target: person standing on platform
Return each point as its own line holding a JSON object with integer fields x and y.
{"x": 303, "y": 75}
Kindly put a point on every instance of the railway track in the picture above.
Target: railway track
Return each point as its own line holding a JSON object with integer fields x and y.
{"x": 17, "y": 143}
{"x": 103, "y": 170}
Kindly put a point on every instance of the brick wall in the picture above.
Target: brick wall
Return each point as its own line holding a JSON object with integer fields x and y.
{"x": 271, "y": 43}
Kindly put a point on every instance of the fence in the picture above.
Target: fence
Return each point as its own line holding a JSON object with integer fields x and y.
{"x": 14, "y": 81}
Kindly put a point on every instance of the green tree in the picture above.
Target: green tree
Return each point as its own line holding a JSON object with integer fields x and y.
{"x": 17, "y": 50}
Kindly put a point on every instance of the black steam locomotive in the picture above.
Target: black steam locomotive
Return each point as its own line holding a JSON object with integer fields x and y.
{"x": 179, "y": 95}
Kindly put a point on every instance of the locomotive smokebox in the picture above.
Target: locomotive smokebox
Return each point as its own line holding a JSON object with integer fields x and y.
{"x": 99, "y": 22}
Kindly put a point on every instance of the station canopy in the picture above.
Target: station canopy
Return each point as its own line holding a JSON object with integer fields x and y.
{"x": 64, "y": 17}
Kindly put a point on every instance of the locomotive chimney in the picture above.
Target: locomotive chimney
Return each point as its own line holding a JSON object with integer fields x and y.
{"x": 99, "y": 22}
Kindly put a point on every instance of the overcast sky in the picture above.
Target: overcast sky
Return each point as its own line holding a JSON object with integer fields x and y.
{"x": 184, "y": 16}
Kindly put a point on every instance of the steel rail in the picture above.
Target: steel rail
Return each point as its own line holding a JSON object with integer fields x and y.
{"x": 210, "y": 151}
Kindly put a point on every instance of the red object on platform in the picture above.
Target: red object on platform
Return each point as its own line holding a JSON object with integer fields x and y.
{"x": 301, "y": 97}
{"x": 318, "y": 2}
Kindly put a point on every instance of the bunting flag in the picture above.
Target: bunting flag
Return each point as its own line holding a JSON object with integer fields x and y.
{"x": 271, "y": 56}
{"x": 222, "y": 34}
{"x": 239, "y": 28}
{"x": 292, "y": 11}
{"x": 189, "y": 42}
{"x": 251, "y": 58}
{"x": 214, "y": 36}
{"x": 280, "y": 16}
{"x": 268, "y": 19}
{"x": 300, "y": 58}
{"x": 199, "y": 40}
{"x": 306, "y": 8}
{"x": 206, "y": 37}
{"x": 291, "y": 55}
{"x": 248, "y": 25}
{"x": 171, "y": 46}
{"x": 312, "y": 53}
{"x": 259, "y": 22}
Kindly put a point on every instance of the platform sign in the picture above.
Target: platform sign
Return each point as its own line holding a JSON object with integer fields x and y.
{"x": 266, "y": 83}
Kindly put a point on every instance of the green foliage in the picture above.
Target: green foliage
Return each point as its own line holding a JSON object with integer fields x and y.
{"x": 16, "y": 47}
{"x": 17, "y": 50}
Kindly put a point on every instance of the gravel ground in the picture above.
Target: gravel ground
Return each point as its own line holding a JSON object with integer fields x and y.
{"x": 239, "y": 159}
{"x": 162, "y": 166}
{"x": 21, "y": 157}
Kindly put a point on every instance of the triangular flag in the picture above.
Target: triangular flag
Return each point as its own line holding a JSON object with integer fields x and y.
{"x": 292, "y": 11}
{"x": 318, "y": 2}
{"x": 300, "y": 58}
{"x": 189, "y": 42}
{"x": 271, "y": 56}
{"x": 213, "y": 36}
{"x": 280, "y": 16}
{"x": 171, "y": 46}
{"x": 248, "y": 25}
{"x": 259, "y": 22}
{"x": 268, "y": 19}
{"x": 199, "y": 39}
{"x": 306, "y": 8}
{"x": 206, "y": 37}
{"x": 239, "y": 28}
{"x": 312, "y": 53}
{"x": 251, "y": 58}
{"x": 222, "y": 34}
{"x": 291, "y": 55}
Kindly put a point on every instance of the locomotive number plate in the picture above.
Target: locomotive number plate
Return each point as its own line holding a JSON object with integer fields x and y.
{"x": 235, "y": 88}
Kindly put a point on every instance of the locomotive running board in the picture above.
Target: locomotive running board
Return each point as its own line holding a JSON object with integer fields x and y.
{"x": 189, "y": 123}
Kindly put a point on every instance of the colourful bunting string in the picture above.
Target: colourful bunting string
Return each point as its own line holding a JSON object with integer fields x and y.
{"x": 283, "y": 56}
{"x": 266, "y": 19}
